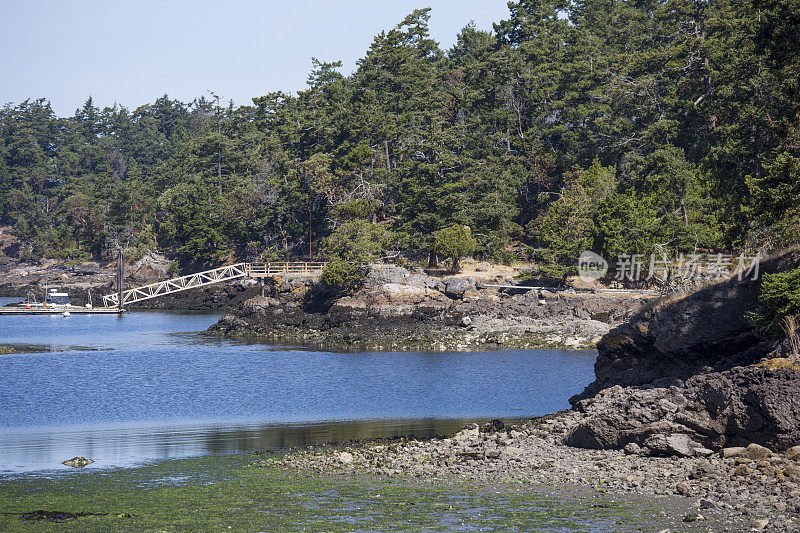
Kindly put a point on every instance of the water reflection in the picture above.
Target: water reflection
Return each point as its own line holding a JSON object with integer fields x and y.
{"x": 25, "y": 451}
{"x": 144, "y": 386}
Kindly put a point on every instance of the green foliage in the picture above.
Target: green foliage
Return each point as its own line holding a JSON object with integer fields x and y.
{"x": 779, "y": 298}
{"x": 666, "y": 204}
{"x": 454, "y": 242}
{"x": 340, "y": 277}
{"x": 357, "y": 242}
{"x": 568, "y": 226}
{"x": 775, "y": 200}
{"x": 622, "y": 127}
{"x": 355, "y": 209}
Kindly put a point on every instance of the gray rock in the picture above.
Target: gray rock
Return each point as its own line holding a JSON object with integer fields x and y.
{"x": 246, "y": 283}
{"x": 760, "y": 523}
{"x": 455, "y": 286}
{"x": 77, "y": 462}
{"x": 734, "y": 451}
{"x": 793, "y": 452}
{"x": 151, "y": 267}
{"x": 674, "y": 444}
{"x": 756, "y": 451}
{"x": 381, "y": 274}
{"x": 345, "y": 458}
{"x": 633, "y": 449}
{"x": 259, "y": 303}
{"x": 415, "y": 280}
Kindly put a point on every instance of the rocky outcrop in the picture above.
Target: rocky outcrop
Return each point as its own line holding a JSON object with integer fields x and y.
{"x": 711, "y": 411}
{"x": 150, "y": 268}
{"x": 689, "y": 376}
{"x": 77, "y": 462}
{"x": 700, "y": 332}
{"x": 399, "y": 309}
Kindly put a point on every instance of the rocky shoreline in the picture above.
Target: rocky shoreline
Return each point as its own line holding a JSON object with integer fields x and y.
{"x": 687, "y": 401}
{"x": 402, "y": 310}
{"x": 396, "y": 309}
{"x": 747, "y": 488}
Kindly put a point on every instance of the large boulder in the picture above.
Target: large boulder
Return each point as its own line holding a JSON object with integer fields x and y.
{"x": 259, "y": 304}
{"x": 379, "y": 275}
{"x": 755, "y": 404}
{"x": 456, "y": 287}
{"x": 150, "y": 268}
{"x": 400, "y": 292}
{"x": 689, "y": 375}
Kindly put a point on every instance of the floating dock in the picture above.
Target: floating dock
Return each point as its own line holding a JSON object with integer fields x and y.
{"x": 60, "y": 311}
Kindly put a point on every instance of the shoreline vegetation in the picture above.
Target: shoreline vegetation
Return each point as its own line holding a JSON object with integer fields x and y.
{"x": 622, "y": 129}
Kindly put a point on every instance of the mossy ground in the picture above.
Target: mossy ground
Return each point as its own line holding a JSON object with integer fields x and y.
{"x": 229, "y": 493}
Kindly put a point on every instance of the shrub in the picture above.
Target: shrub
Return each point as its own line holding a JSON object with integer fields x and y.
{"x": 340, "y": 277}
{"x": 779, "y": 298}
{"x": 455, "y": 242}
{"x": 357, "y": 241}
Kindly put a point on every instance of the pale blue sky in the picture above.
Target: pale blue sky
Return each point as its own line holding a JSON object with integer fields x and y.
{"x": 132, "y": 52}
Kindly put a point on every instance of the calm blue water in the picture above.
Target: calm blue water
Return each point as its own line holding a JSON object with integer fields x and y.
{"x": 146, "y": 386}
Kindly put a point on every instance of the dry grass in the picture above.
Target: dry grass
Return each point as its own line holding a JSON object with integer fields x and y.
{"x": 777, "y": 363}
{"x": 791, "y": 326}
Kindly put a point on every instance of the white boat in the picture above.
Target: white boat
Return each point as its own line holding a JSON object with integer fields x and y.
{"x": 57, "y": 299}
{"x": 55, "y": 303}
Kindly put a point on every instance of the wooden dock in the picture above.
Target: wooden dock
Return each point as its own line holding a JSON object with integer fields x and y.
{"x": 59, "y": 311}
{"x": 182, "y": 283}
{"x": 268, "y": 270}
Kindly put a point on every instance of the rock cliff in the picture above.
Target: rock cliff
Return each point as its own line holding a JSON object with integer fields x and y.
{"x": 689, "y": 375}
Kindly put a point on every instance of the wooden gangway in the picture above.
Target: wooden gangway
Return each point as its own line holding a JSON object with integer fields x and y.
{"x": 268, "y": 270}
{"x": 210, "y": 277}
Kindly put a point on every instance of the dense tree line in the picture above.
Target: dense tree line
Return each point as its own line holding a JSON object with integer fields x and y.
{"x": 611, "y": 125}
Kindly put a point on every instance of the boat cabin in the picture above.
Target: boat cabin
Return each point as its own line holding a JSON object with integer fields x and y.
{"x": 56, "y": 299}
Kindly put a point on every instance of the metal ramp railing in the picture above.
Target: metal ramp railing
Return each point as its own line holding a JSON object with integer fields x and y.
{"x": 200, "y": 279}
{"x": 209, "y": 277}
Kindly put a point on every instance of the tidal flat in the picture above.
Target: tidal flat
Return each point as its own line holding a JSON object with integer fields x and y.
{"x": 232, "y": 492}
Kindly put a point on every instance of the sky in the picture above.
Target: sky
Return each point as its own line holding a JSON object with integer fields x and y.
{"x": 130, "y": 52}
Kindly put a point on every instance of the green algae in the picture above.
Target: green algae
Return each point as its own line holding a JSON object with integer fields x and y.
{"x": 226, "y": 493}
{"x": 6, "y": 350}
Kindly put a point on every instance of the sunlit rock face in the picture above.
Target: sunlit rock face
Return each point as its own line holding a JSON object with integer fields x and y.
{"x": 688, "y": 375}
